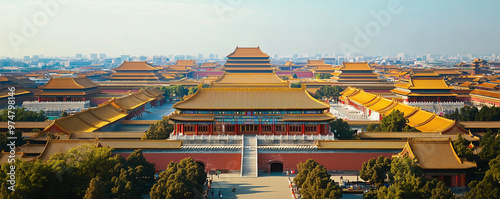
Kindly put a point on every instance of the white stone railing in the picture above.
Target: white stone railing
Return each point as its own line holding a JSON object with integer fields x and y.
{"x": 55, "y": 106}
{"x": 205, "y": 137}
{"x": 295, "y": 137}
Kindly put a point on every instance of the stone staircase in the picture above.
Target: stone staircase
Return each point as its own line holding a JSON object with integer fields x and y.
{"x": 249, "y": 156}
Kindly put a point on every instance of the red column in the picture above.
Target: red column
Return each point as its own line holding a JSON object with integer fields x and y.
{"x": 318, "y": 128}
{"x": 287, "y": 129}
{"x": 273, "y": 129}
{"x": 441, "y": 178}
{"x": 196, "y": 129}
{"x": 236, "y": 129}
{"x": 182, "y": 128}
{"x": 260, "y": 128}
{"x": 303, "y": 129}
{"x": 462, "y": 182}
{"x": 211, "y": 129}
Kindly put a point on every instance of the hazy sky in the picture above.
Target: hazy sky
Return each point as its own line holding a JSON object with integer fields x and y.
{"x": 159, "y": 27}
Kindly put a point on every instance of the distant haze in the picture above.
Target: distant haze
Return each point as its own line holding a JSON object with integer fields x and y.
{"x": 159, "y": 27}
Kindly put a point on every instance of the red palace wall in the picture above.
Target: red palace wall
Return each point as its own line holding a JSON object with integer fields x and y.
{"x": 332, "y": 161}
{"x": 212, "y": 161}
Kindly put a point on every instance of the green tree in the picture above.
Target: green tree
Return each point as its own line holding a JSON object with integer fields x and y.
{"x": 489, "y": 187}
{"x": 461, "y": 146}
{"x": 296, "y": 85}
{"x": 285, "y": 78}
{"x": 184, "y": 179}
{"x": 19, "y": 141}
{"x": 323, "y": 76}
{"x": 21, "y": 114}
{"x": 490, "y": 144}
{"x": 304, "y": 169}
{"x": 409, "y": 183}
{"x": 64, "y": 114}
{"x": 376, "y": 170}
{"x": 79, "y": 165}
{"x": 193, "y": 90}
{"x": 295, "y": 76}
{"x": 159, "y": 131}
{"x": 341, "y": 129}
{"x": 135, "y": 179}
{"x": 96, "y": 190}
{"x": 394, "y": 122}
{"x": 33, "y": 180}
{"x": 314, "y": 181}
{"x": 319, "y": 185}
{"x": 330, "y": 92}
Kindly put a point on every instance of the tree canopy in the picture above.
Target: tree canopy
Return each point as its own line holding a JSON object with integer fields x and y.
{"x": 408, "y": 182}
{"x": 341, "y": 129}
{"x": 295, "y": 76}
{"x": 23, "y": 115}
{"x": 376, "y": 170}
{"x": 489, "y": 187}
{"x": 296, "y": 85}
{"x": 394, "y": 122}
{"x": 175, "y": 91}
{"x": 314, "y": 181}
{"x": 70, "y": 175}
{"x": 159, "y": 131}
{"x": 193, "y": 90}
{"x": 330, "y": 92}
{"x": 323, "y": 76}
{"x": 182, "y": 179}
{"x": 472, "y": 113}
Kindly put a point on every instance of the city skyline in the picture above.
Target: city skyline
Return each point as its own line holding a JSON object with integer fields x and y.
{"x": 64, "y": 28}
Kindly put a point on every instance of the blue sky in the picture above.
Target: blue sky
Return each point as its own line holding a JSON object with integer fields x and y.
{"x": 158, "y": 27}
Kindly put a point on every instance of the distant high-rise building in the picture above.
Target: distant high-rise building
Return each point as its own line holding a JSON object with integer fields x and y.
{"x": 26, "y": 57}
{"x": 93, "y": 56}
{"x": 78, "y": 55}
{"x": 275, "y": 56}
{"x": 36, "y": 57}
{"x": 125, "y": 58}
{"x": 143, "y": 58}
{"x": 211, "y": 56}
{"x": 102, "y": 55}
{"x": 200, "y": 56}
{"x": 400, "y": 56}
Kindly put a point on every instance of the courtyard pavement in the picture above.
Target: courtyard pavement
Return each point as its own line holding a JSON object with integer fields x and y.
{"x": 274, "y": 187}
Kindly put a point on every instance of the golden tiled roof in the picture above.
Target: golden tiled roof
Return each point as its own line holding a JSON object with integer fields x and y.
{"x": 249, "y": 80}
{"x": 486, "y": 95}
{"x": 27, "y": 125}
{"x": 308, "y": 117}
{"x": 312, "y": 62}
{"x": 106, "y": 135}
{"x": 434, "y": 154}
{"x": 189, "y": 62}
{"x": 422, "y": 120}
{"x": 361, "y": 144}
{"x": 247, "y": 52}
{"x": 62, "y": 146}
{"x": 192, "y": 117}
{"x": 488, "y": 85}
{"x": 132, "y": 74}
{"x": 251, "y": 98}
{"x": 69, "y": 83}
{"x": 356, "y": 66}
{"x": 133, "y": 78}
{"x": 141, "y": 144}
{"x": 406, "y": 135}
{"x": 135, "y": 66}
{"x": 89, "y": 120}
